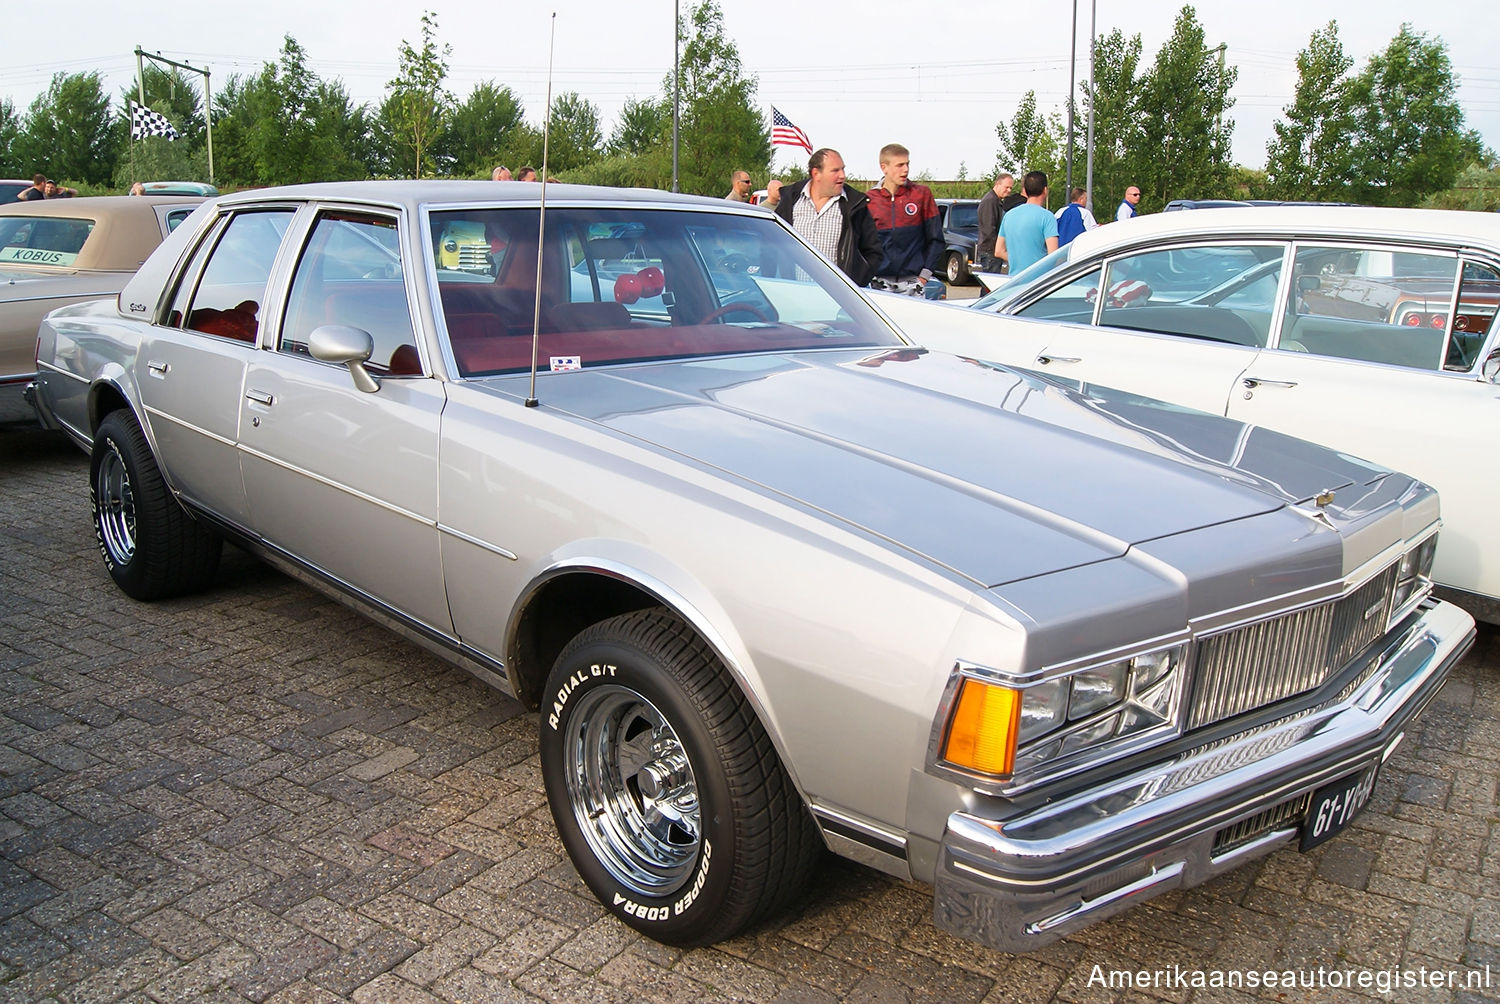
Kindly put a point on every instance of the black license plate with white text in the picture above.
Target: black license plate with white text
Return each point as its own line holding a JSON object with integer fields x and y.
{"x": 1335, "y": 805}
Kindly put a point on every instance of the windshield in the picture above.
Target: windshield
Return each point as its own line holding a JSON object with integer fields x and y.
{"x": 42, "y": 240}
{"x": 632, "y": 285}
{"x": 1021, "y": 280}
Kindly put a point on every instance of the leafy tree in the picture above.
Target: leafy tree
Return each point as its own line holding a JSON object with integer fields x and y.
{"x": 284, "y": 125}
{"x": 1410, "y": 138}
{"x": 1184, "y": 147}
{"x": 644, "y": 124}
{"x": 1477, "y": 189}
{"x": 573, "y": 136}
{"x": 1117, "y": 126}
{"x": 1309, "y": 156}
{"x": 419, "y": 107}
{"x": 482, "y": 130}
{"x": 10, "y": 135}
{"x": 1023, "y": 140}
{"x": 67, "y": 132}
{"x": 720, "y": 130}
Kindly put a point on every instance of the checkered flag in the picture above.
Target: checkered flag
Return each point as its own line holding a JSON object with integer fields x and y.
{"x": 144, "y": 122}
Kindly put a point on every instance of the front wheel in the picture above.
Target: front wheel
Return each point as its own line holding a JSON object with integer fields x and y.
{"x": 956, "y": 268}
{"x": 664, "y": 786}
{"x": 151, "y": 546}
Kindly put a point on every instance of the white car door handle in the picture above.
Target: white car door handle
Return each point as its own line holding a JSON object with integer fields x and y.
{"x": 260, "y": 397}
{"x": 1047, "y": 357}
{"x": 1251, "y": 383}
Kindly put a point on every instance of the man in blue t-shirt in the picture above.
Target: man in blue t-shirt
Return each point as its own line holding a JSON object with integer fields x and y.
{"x": 1028, "y": 233}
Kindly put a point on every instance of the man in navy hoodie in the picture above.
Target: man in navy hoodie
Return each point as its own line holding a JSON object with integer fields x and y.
{"x": 906, "y": 218}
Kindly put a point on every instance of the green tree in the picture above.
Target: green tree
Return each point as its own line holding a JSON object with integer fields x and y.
{"x": 573, "y": 135}
{"x": 285, "y": 125}
{"x": 482, "y": 130}
{"x": 68, "y": 131}
{"x": 644, "y": 124}
{"x": 1184, "y": 138}
{"x": 10, "y": 135}
{"x": 419, "y": 106}
{"x": 1024, "y": 140}
{"x": 1477, "y": 189}
{"x": 1117, "y": 126}
{"x": 1409, "y": 138}
{"x": 720, "y": 128}
{"x": 1309, "y": 156}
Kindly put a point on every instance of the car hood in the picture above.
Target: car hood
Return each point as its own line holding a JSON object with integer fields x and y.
{"x": 997, "y": 474}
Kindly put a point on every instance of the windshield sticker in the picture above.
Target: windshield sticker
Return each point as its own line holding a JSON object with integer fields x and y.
{"x": 560, "y": 363}
{"x": 37, "y": 256}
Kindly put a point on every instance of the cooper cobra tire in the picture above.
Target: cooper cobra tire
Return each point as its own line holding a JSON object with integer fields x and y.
{"x": 151, "y": 546}
{"x": 957, "y": 269}
{"x": 666, "y": 790}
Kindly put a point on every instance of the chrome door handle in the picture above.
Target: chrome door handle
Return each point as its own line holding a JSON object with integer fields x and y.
{"x": 1251, "y": 383}
{"x": 1046, "y": 358}
{"x": 260, "y": 397}
{"x": 158, "y": 369}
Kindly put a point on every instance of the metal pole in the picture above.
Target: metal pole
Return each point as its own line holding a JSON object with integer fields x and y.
{"x": 1089, "y": 175}
{"x": 676, "y": 84}
{"x": 1072, "y": 76}
{"x": 208, "y": 119}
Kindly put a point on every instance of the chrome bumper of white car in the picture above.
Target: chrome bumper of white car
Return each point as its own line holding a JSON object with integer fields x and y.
{"x": 1023, "y": 882}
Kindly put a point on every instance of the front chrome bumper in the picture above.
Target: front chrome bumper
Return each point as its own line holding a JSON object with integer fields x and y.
{"x": 1022, "y": 882}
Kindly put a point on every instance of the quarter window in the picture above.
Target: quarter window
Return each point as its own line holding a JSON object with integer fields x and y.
{"x": 227, "y": 297}
{"x": 1373, "y": 304}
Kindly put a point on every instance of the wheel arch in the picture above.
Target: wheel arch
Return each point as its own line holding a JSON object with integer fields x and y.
{"x": 570, "y": 596}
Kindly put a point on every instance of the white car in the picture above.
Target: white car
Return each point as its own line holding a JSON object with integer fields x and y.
{"x": 1369, "y": 330}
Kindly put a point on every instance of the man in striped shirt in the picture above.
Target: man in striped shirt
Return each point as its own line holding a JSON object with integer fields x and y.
{"x": 834, "y": 218}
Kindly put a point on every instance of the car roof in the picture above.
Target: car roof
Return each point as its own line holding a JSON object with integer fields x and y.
{"x": 126, "y": 227}
{"x": 412, "y": 194}
{"x": 1404, "y": 225}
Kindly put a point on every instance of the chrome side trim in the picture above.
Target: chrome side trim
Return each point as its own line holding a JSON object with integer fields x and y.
{"x": 482, "y": 544}
{"x": 330, "y": 483}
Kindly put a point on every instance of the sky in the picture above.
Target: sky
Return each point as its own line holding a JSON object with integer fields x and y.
{"x": 854, "y": 78}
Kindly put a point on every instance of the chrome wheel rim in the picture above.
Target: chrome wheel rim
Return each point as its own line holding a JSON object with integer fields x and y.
{"x": 632, "y": 791}
{"x": 116, "y": 507}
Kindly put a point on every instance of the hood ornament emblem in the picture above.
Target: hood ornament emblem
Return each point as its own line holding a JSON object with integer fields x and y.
{"x": 1323, "y": 497}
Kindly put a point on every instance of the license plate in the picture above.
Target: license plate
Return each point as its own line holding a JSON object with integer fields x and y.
{"x": 1335, "y": 805}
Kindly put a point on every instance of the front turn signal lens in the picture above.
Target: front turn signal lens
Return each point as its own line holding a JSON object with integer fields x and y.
{"x": 986, "y": 723}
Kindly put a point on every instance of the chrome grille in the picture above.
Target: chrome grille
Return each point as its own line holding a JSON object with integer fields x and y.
{"x": 1277, "y": 817}
{"x": 474, "y": 257}
{"x": 1270, "y": 660}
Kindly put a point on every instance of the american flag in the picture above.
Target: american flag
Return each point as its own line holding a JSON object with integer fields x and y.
{"x": 783, "y": 133}
{"x": 144, "y": 122}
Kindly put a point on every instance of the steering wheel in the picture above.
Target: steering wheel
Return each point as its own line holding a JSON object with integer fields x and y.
{"x": 734, "y": 308}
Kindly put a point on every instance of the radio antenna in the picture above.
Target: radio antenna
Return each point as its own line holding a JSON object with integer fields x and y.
{"x": 541, "y": 224}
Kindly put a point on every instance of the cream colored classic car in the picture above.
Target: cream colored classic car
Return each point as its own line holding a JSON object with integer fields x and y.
{"x": 773, "y": 579}
{"x": 62, "y": 251}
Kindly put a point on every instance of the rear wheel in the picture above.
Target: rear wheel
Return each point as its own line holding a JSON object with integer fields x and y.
{"x": 151, "y": 546}
{"x": 956, "y": 268}
{"x": 666, "y": 790}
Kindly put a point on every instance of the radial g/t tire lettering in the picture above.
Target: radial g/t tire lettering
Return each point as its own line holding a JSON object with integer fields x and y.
{"x": 666, "y": 790}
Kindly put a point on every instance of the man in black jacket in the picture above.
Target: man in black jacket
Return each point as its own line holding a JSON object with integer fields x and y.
{"x": 833, "y": 217}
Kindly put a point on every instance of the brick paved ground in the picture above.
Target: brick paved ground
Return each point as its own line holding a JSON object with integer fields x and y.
{"x": 257, "y": 795}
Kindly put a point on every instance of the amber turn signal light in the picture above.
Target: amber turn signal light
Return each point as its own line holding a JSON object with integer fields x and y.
{"x": 985, "y": 725}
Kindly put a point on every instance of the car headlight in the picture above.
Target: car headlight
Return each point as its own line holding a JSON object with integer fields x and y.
{"x": 1004, "y": 731}
{"x": 1413, "y": 577}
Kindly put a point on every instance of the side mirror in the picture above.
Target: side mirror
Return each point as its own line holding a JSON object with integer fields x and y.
{"x": 351, "y": 347}
{"x": 1308, "y": 283}
{"x": 1491, "y": 367}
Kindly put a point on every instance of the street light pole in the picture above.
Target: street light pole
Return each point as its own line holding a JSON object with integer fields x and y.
{"x": 676, "y": 84}
{"x": 1072, "y": 76}
{"x": 1088, "y": 182}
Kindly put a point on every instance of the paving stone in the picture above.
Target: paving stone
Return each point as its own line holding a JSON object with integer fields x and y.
{"x": 255, "y": 795}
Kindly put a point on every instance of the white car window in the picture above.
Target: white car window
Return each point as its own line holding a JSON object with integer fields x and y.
{"x": 1217, "y": 292}
{"x": 1372, "y": 304}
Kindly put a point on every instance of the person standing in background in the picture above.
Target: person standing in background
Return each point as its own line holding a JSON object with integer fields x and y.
{"x": 990, "y": 212}
{"x": 1127, "y": 208}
